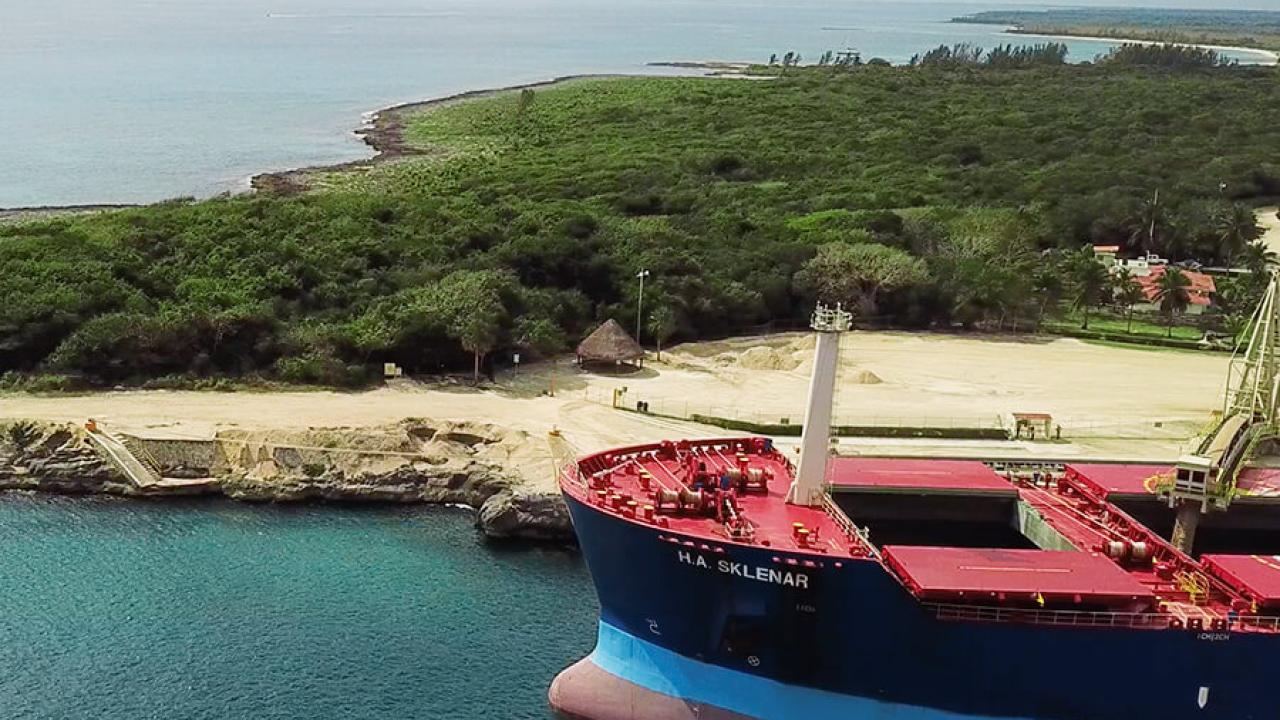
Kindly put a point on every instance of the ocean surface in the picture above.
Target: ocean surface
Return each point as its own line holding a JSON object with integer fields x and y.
{"x": 129, "y": 610}
{"x": 141, "y": 100}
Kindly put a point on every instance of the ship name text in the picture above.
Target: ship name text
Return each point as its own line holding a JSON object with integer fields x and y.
{"x": 743, "y": 570}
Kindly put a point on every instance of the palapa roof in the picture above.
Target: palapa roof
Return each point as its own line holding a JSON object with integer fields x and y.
{"x": 610, "y": 342}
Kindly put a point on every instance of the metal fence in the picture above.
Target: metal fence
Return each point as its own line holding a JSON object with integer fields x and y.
{"x": 1174, "y": 429}
{"x": 1077, "y": 618}
{"x": 685, "y": 409}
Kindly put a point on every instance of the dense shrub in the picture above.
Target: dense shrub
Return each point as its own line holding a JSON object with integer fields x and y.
{"x": 526, "y": 224}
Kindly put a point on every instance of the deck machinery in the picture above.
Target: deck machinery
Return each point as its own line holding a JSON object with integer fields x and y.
{"x": 1207, "y": 480}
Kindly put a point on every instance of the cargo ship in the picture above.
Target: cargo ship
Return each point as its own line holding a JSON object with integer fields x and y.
{"x": 738, "y": 584}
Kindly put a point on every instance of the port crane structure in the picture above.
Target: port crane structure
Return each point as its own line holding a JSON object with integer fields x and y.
{"x": 1206, "y": 480}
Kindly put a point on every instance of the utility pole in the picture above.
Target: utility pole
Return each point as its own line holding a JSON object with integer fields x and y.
{"x": 1155, "y": 210}
{"x": 640, "y": 303}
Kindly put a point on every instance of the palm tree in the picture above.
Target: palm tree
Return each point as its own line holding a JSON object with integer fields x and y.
{"x": 1259, "y": 258}
{"x": 1147, "y": 223}
{"x": 1047, "y": 284}
{"x": 1172, "y": 295}
{"x": 1089, "y": 282}
{"x": 1236, "y": 227}
{"x": 1127, "y": 293}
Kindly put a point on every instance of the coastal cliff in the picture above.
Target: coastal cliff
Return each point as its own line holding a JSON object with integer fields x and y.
{"x": 452, "y": 467}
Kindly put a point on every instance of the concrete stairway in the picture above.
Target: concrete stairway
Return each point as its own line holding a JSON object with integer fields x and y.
{"x": 119, "y": 454}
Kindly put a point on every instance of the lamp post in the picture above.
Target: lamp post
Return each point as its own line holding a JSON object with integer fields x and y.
{"x": 640, "y": 302}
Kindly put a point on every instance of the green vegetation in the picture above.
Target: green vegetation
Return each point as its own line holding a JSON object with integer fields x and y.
{"x": 1005, "y": 56}
{"x": 959, "y": 191}
{"x": 22, "y": 434}
{"x": 1249, "y": 28}
{"x": 1122, "y": 326}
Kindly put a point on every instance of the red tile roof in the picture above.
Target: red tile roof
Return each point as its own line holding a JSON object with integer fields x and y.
{"x": 1200, "y": 291}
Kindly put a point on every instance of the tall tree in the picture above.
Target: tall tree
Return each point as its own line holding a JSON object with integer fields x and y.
{"x": 478, "y": 335}
{"x": 1048, "y": 286}
{"x": 1148, "y": 223}
{"x": 1127, "y": 293}
{"x": 856, "y": 275}
{"x": 1089, "y": 282}
{"x": 1236, "y": 227}
{"x": 470, "y": 303}
{"x": 662, "y": 325}
{"x": 1259, "y": 259}
{"x": 1172, "y": 295}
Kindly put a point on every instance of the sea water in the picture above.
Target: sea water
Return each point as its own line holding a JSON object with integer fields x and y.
{"x": 141, "y": 100}
{"x": 122, "y": 610}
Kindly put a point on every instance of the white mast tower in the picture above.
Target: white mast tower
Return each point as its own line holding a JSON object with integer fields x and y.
{"x": 815, "y": 441}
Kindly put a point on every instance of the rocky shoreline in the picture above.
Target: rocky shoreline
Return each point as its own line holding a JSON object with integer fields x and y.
{"x": 384, "y": 133}
{"x": 62, "y": 460}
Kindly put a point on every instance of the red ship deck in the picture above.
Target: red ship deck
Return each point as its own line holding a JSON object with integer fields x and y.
{"x": 969, "y": 477}
{"x": 773, "y": 521}
{"x": 1255, "y": 576}
{"x": 1115, "y": 481}
{"x": 1029, "y": 577}
{"x": 717, "y": 492}
{"x": 1112, "y": 479}
{"x": 1259, "y": 483}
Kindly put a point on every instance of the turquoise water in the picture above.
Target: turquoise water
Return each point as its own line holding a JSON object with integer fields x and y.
{"x": 125, "y": 610}
{"x": 138, "y": 100}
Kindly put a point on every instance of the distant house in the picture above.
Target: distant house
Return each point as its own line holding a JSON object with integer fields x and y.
{"x": 1199, "y": 292}
{"x": 1106, "y": 254}
{"x": 1147, "y": 271}
{"x": 1142, "y": 266}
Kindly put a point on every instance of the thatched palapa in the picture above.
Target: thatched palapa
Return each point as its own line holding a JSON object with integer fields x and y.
{"x": 609, "y": 344}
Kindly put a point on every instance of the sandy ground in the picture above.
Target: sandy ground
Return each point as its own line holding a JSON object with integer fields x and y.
{"x": 939, "y": 380}
{"x": 1270, "y": 224}
{"x": 1107, "y": 399}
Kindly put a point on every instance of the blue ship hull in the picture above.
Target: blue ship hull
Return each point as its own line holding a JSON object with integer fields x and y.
{"x": 740, "y": 631}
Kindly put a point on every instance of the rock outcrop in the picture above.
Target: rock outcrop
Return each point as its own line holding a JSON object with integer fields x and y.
{"x": 55, "y": 460}
{"x": 524, "y": 515}
{"x": 461, "y": 468}
{"x": 469, "y": 484}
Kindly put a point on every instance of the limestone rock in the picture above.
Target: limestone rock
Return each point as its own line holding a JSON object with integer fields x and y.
{"x": 523, "y": 515}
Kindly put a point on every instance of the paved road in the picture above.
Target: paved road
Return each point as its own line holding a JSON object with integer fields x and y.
{"x": 1271, "y": 227}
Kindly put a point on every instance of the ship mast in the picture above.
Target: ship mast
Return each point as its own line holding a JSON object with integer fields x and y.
{"x": 1206, "y": 481}
{"x": 815, "y": 441}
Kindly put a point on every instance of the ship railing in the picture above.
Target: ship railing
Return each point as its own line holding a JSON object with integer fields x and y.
{"x": 1082, "y": 618}
{"x": 857, "y": 537}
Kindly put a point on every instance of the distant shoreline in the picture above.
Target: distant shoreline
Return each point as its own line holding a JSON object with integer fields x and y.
{"x": 1268, "y": 58}
{"x": 20, "y": 214}
{"x": 384, "y": 133}
{"x": 384, "y": 129}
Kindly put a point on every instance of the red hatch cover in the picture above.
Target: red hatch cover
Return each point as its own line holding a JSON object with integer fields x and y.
{"x": 1257, "y": 576}
{"x": 1015, "y": 576}
{"x": 890, "y": 474}
{"x": 1109, "y": 479}
{"x": 1258, "y": 482}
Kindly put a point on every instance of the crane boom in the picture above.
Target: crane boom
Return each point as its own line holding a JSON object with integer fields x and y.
{"x": 1206, "y": 480}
